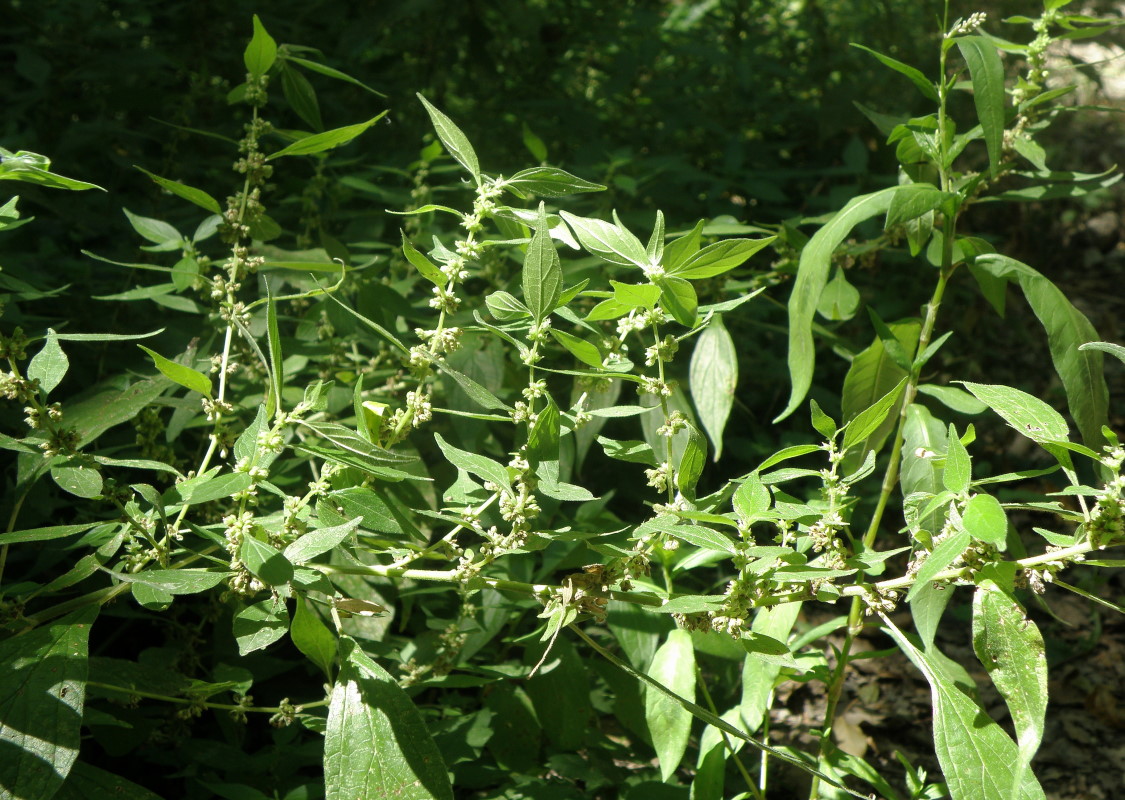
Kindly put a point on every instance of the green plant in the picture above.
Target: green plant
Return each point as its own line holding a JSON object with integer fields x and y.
{"x": 397, "y": 487}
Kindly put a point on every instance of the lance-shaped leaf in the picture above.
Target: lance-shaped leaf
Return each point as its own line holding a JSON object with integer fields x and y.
{"x": 1010, "y": 647}
{"x": 812, "y": 275}
{"x": 428, "y": 269}
{"x": 1067, "y": 330}
{"x": 456, "y": 143}
{"x": 319, "y": 142}
{"x": 712, "y": 378}
{"x": 926, "y": 87}
{"x": 550, "y": 182}
{"x": 376, "y": 743}
{"x": 542, "y": 273}
{"x": 189, "y": 193}
{"x": 607, "y": 241}
{"x": 868, "y": 421}
{"x": 717, "y": 258}
{"x": 41, "y": 700}
{"x": 481, "y": 466}
{"x": 679, "y": 299}
{"x": 987, "y": 73}
{"x": 185, "y": 376}
{"x": 668, "y": 722}
{"x": 978, "y": 759}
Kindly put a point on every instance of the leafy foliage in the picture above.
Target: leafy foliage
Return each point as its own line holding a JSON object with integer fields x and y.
{"x": 398, "y": 481}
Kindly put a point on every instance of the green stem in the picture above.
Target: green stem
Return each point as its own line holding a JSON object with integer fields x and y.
{"x": 184, "y": 701}
{"x": 702, "y": 684}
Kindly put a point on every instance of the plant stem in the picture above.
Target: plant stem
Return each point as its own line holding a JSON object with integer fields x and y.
{"x": 185, "y": 701}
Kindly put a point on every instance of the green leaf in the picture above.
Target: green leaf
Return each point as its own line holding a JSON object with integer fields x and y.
{"x": 185, "y": 376}
{"x": 983, "y": 517}
{"x": 261, "y": 52}
{"x": 680, "y": 300}
{"x": 912, "y": 201}
{"x": 478, "y": 393}
{"x": 668, "y": 722}
{"x": 315, "y": 542}
{"x": 987, "y": 74}
{"x": 712, "y": 378}
{"x": 953, "y": 398}
{"x": 870, "y": 419}
{"x": 45, "y": 534}
{"x": 767, "y": 648}
{"x": 943, "y": 555}
{"x": 534, "y": 144}
{"x": 680, "y": 250}
{"x": 456, "y": 143}
{"x": 1106, "y": 347}
{"x": 266, "y": 562}
{"x": 77, "y": 478}
{"x": 698, "y": 535}
{"x": 319, "y": 142}
{"x": 176, "y": 581}
{"x": 312, "y": 637}
{"x": 41, "y": 701}
{"x": 821, "y": 422}
{"x": 505, "y": 307}
{"x": 429, "y": 270}
{"x": 872, "y": 374}
{"x": 751, "y": 498}
{"x": 1026, "y": 413}
{"x": 692, "y": 461}
{"x": 632, "y": 295}
{"x": 633, "y": 451}
{"x": 542, "y": 272}
{"x": 34, "y": 168}
{"x": 347, "y": 439}
{"x": 331, "y": 73}
{"x": 482, "y": 467}
{"x": 607, "y": 241}
{"x": 260, "y": 625}
{"x": 207, "y": 487}
{"x": 376, "y": 743}
{"x": 637, "y": 630}
{"x": 550, "y": 182}
{"x": 561, "y": 695}
{"x": 189, "y": 193}
{"x": 517, "y": 736}
{"x": 926, "y": 87}
{"x": 958, "y": 473}
{"x": 301, "y": 96}
{"x": 812, "y": 275}
{"x": 717, "y": 258}
{"x": 1067, "y": 329}
{"x": 1010, "y": 647}
{"x": 163, "y": 235}
{"x": 978, "y": 759}
{"x": 277, "y": 366}
{"x": 49, "y": 365}
{"x": 839, "y": 300}
{"x": 759, "y": 674}
{"x": 655, "y": 247}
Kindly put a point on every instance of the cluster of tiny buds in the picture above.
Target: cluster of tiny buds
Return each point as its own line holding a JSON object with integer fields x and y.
{"x": 964, "y": 27}
{"x": 419, "y": 407}
{"x": 663, "y": 351}
{"x": 234, "y": 313}
{"x": 33, "y": 415}
{"x": 14, "y": 347}
{"x": 522, "y": 413}
{"x": 661, "y": 477}
{"x": 879, "y": 601}
{"x": 444, "y": 301}
{"x": 654, "y": 386}
{"x": 445, "y": 340}
{"x": 213, "y": 408}
{"x": 286, "y": 714}
{"x": 217, "y": 364}
{"x": 675, "y": 507}
{"x": 653, "y": 271}
{"x": 674, "y": 423}
{"x": 534, "y": 390}
{"x": 13, "y": 387}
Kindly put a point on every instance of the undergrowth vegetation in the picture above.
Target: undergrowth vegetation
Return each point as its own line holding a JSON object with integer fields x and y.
{"x": 476, "y": 505}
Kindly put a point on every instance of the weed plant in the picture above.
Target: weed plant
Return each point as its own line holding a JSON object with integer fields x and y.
{"x": 448, "y": 513}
